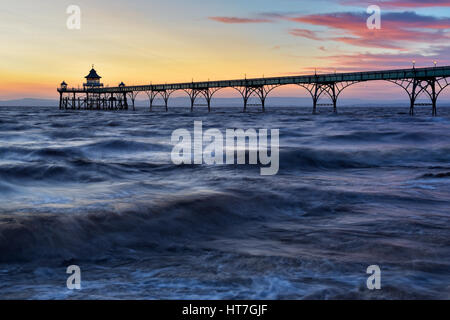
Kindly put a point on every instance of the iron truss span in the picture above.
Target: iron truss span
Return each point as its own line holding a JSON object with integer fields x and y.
{"x": 415, "y": 81}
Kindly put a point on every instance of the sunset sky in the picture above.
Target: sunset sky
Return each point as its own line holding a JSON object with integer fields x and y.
{"x": 157, "y": 41}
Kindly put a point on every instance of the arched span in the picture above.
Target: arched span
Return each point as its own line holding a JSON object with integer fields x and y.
{"x": 332, "y": 89}
{"x": 212, "y": 92}
{"x": 192, "y": 93}
{"x": 315, "y": 90}
{"x": 275, "y": 88}
{"x": 206, "y": 93}
{"x": 165, "y": 95}
{"x": 415, "y": 87}
{"x": 132, "y": 95}
{"x": 412, "y": 90}
{"x": 374, "y": 82}
{"x": 433, "y": 87}
{"x": 443, "y": 83}
{"x": 261, "y": 92}
{"x": 121, "y": 102}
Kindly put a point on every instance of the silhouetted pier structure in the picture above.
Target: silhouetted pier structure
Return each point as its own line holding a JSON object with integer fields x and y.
{"x": 416, "y": 81}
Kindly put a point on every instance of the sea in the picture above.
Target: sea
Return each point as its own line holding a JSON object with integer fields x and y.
{"x": 368, "y": 186}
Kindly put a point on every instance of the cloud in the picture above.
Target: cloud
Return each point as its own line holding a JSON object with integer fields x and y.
{"x": 402, "y": 3}
{"x": 236, "y": 20}
{"x": 398, "y": 28}
{"x": 413, "y": 37}
{"x": 304, "y": 33}
{"x": 370, "y": 61}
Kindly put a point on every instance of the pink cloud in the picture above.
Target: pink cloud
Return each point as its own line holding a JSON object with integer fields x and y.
{"x": 370, "y": 61}
{"x": 397, "y": 29}
{"x": 403, "y": 3}
{"x": 235, "y": 20}
{"x": 304, "y": 33}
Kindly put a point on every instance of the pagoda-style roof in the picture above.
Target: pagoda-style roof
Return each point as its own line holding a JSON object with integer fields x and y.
{"x": 93, "y": 75}
{"x": 63, "y": 83}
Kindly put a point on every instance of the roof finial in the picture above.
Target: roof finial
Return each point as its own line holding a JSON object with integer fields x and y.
{"x": 92, "y": 66}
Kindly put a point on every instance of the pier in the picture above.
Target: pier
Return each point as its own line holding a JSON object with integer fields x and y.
{"x": 94, "y": 96}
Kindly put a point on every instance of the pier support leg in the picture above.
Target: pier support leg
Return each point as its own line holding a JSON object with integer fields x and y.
{"x": 151, "y": 97}
{"x": 433, "y": 96}
{"x": 192, "y": 103}
{"x": 262, "y": 94}
{"x": 411, "y": 107}
{"x": 208, "y": 94}
{"x": 88, "y": 101}
{"x": 315, "y": 98}
{"x": 246, "y": 96}
{"x": 334, "y": 97}
{"x": 60, "y": 101}
{"x": 125, "y": 101}
{"x": 133, "y": 96}
{"x": 193, "y": 94}
{"x": 166, "y": 95}
{"x": 413, "y": 96}
{"x": 315, "y": 90}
